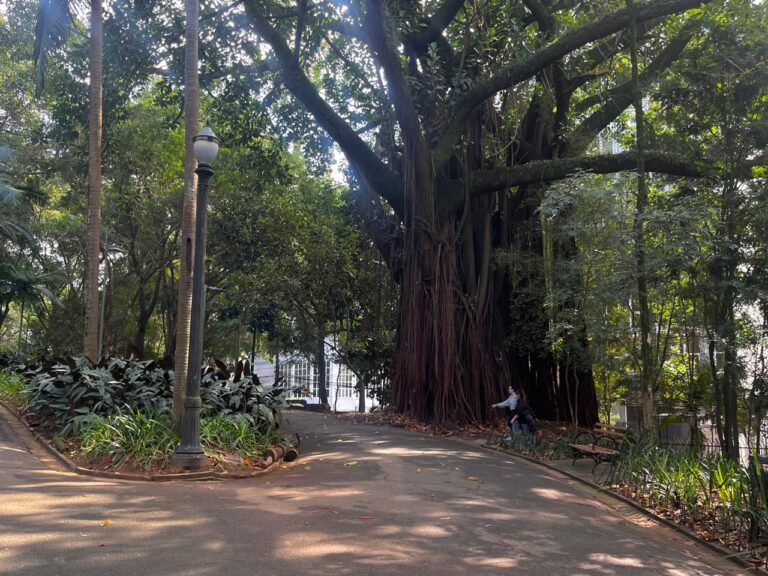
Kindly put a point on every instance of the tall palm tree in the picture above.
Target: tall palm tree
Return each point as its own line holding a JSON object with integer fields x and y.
{"x": 54, "y": 22}
{"x": 191, "y": 127}
{"x": 93, "y": 243}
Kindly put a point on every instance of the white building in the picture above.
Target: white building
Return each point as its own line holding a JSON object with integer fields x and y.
{"x": 299, "y": 372}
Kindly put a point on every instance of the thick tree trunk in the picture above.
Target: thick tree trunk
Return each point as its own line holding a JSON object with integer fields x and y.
{"x": 191, "y": 128}
{"x": 360, "y": 395}
{"x": 446, "y": 370}
{"x": 93, "y": 250}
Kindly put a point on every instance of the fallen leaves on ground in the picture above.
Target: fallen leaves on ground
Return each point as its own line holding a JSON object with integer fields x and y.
{"x": 473, "y": 478}
{"x": 550, "y": 431}
{"x": 105, "y": 523}
{"x": 352, "y": 463}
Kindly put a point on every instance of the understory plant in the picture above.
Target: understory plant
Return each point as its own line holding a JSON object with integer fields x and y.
{"x": 119, "y": 409}
{"x": 140, "y": 436}
{"x": 720, "y": 495}
{"x": 242, "y": 397}
{"x": 147, "y": 439}
{"x": 59, "y": 394}
{"x": 12, "y": 387}
{"x": 240, "y": 434}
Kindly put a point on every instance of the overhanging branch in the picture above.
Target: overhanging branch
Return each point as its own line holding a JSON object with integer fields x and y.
{"x": 488, "y": 181}
{"x": 525, "y": 69}
{"x": 618, "y": 98}
{"x": 434, "y": 27}
{"x": 386, "y": 183}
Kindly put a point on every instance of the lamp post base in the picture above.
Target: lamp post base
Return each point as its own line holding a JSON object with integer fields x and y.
{"x": 192, "y": 460}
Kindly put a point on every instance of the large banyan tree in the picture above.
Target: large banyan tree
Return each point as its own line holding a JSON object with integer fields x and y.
{"x": 455, "y": 116}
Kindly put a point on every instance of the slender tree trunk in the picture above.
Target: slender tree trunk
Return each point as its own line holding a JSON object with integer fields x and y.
{"x": 277, "y": 367}
{"x": 322, "y": 385}
{"x": 91, "y": 344}
{"x": 191, "y": 128}
{"x": 557, "y": 390}
{"x": 21, "y": 327}
{"x": 717, "y": 384}
{"x": 726, "y": 323}
{"x": 641, "y": 207}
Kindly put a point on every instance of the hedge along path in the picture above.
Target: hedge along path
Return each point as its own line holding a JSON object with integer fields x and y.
{"x": 48, "y": 455}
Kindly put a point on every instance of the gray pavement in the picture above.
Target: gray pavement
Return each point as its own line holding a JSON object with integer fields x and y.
{"x": 362, "y": 500}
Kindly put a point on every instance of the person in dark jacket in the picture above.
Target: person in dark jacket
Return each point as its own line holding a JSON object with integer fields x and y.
{"x": 523, "y": 417}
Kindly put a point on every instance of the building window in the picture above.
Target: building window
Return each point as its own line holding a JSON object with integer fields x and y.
{"x": 301, "y": 374}
{"x": 345, "y": 381}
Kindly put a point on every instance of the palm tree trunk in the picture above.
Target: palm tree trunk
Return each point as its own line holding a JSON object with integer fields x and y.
{"x": 91, "y": 344}
{"x": 191, "y": 127}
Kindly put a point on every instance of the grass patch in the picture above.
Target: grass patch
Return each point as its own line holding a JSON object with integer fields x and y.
{"x": 142, "y": 438}
{"x": 146, "y": 440}
{"x": 237, "y": 434}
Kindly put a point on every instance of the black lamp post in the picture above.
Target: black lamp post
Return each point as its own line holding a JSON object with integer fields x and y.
{"x": 189, "y": 455}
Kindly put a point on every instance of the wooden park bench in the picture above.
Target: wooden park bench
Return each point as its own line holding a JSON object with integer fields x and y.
{"x": 602, "y": 445}
{"x": 619, "y": 433}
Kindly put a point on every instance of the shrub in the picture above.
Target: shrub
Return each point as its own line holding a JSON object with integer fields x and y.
{"x": 242, "y": 397}
{"x": 72, "y": 388}
{"x": 12, "y": 387}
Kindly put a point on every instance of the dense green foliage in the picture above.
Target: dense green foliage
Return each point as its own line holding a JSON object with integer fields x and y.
{"x": 64, "y": 394}
{"x": 503, "y": 275}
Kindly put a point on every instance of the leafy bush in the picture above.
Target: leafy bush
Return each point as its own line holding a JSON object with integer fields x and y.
{"x": 244, "y": 397}
{"x": 141, "y": 436}
{"x": 12, "y": 387}
{"x": 66, "y": 390}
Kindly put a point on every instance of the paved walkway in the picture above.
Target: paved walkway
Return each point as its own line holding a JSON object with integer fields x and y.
{"x": 362, "y": 500}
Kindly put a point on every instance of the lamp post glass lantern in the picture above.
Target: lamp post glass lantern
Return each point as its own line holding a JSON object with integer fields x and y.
{"x": 189, "y": 455}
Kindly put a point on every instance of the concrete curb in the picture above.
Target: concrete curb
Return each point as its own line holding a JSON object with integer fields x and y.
{"x": 723, "y": 552}
{"x": 34, "y": 440}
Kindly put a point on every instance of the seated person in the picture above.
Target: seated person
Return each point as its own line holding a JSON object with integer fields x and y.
{"x": 523, "y": 417}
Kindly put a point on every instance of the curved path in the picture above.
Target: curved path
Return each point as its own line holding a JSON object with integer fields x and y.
{"x": 362, "y": 500}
